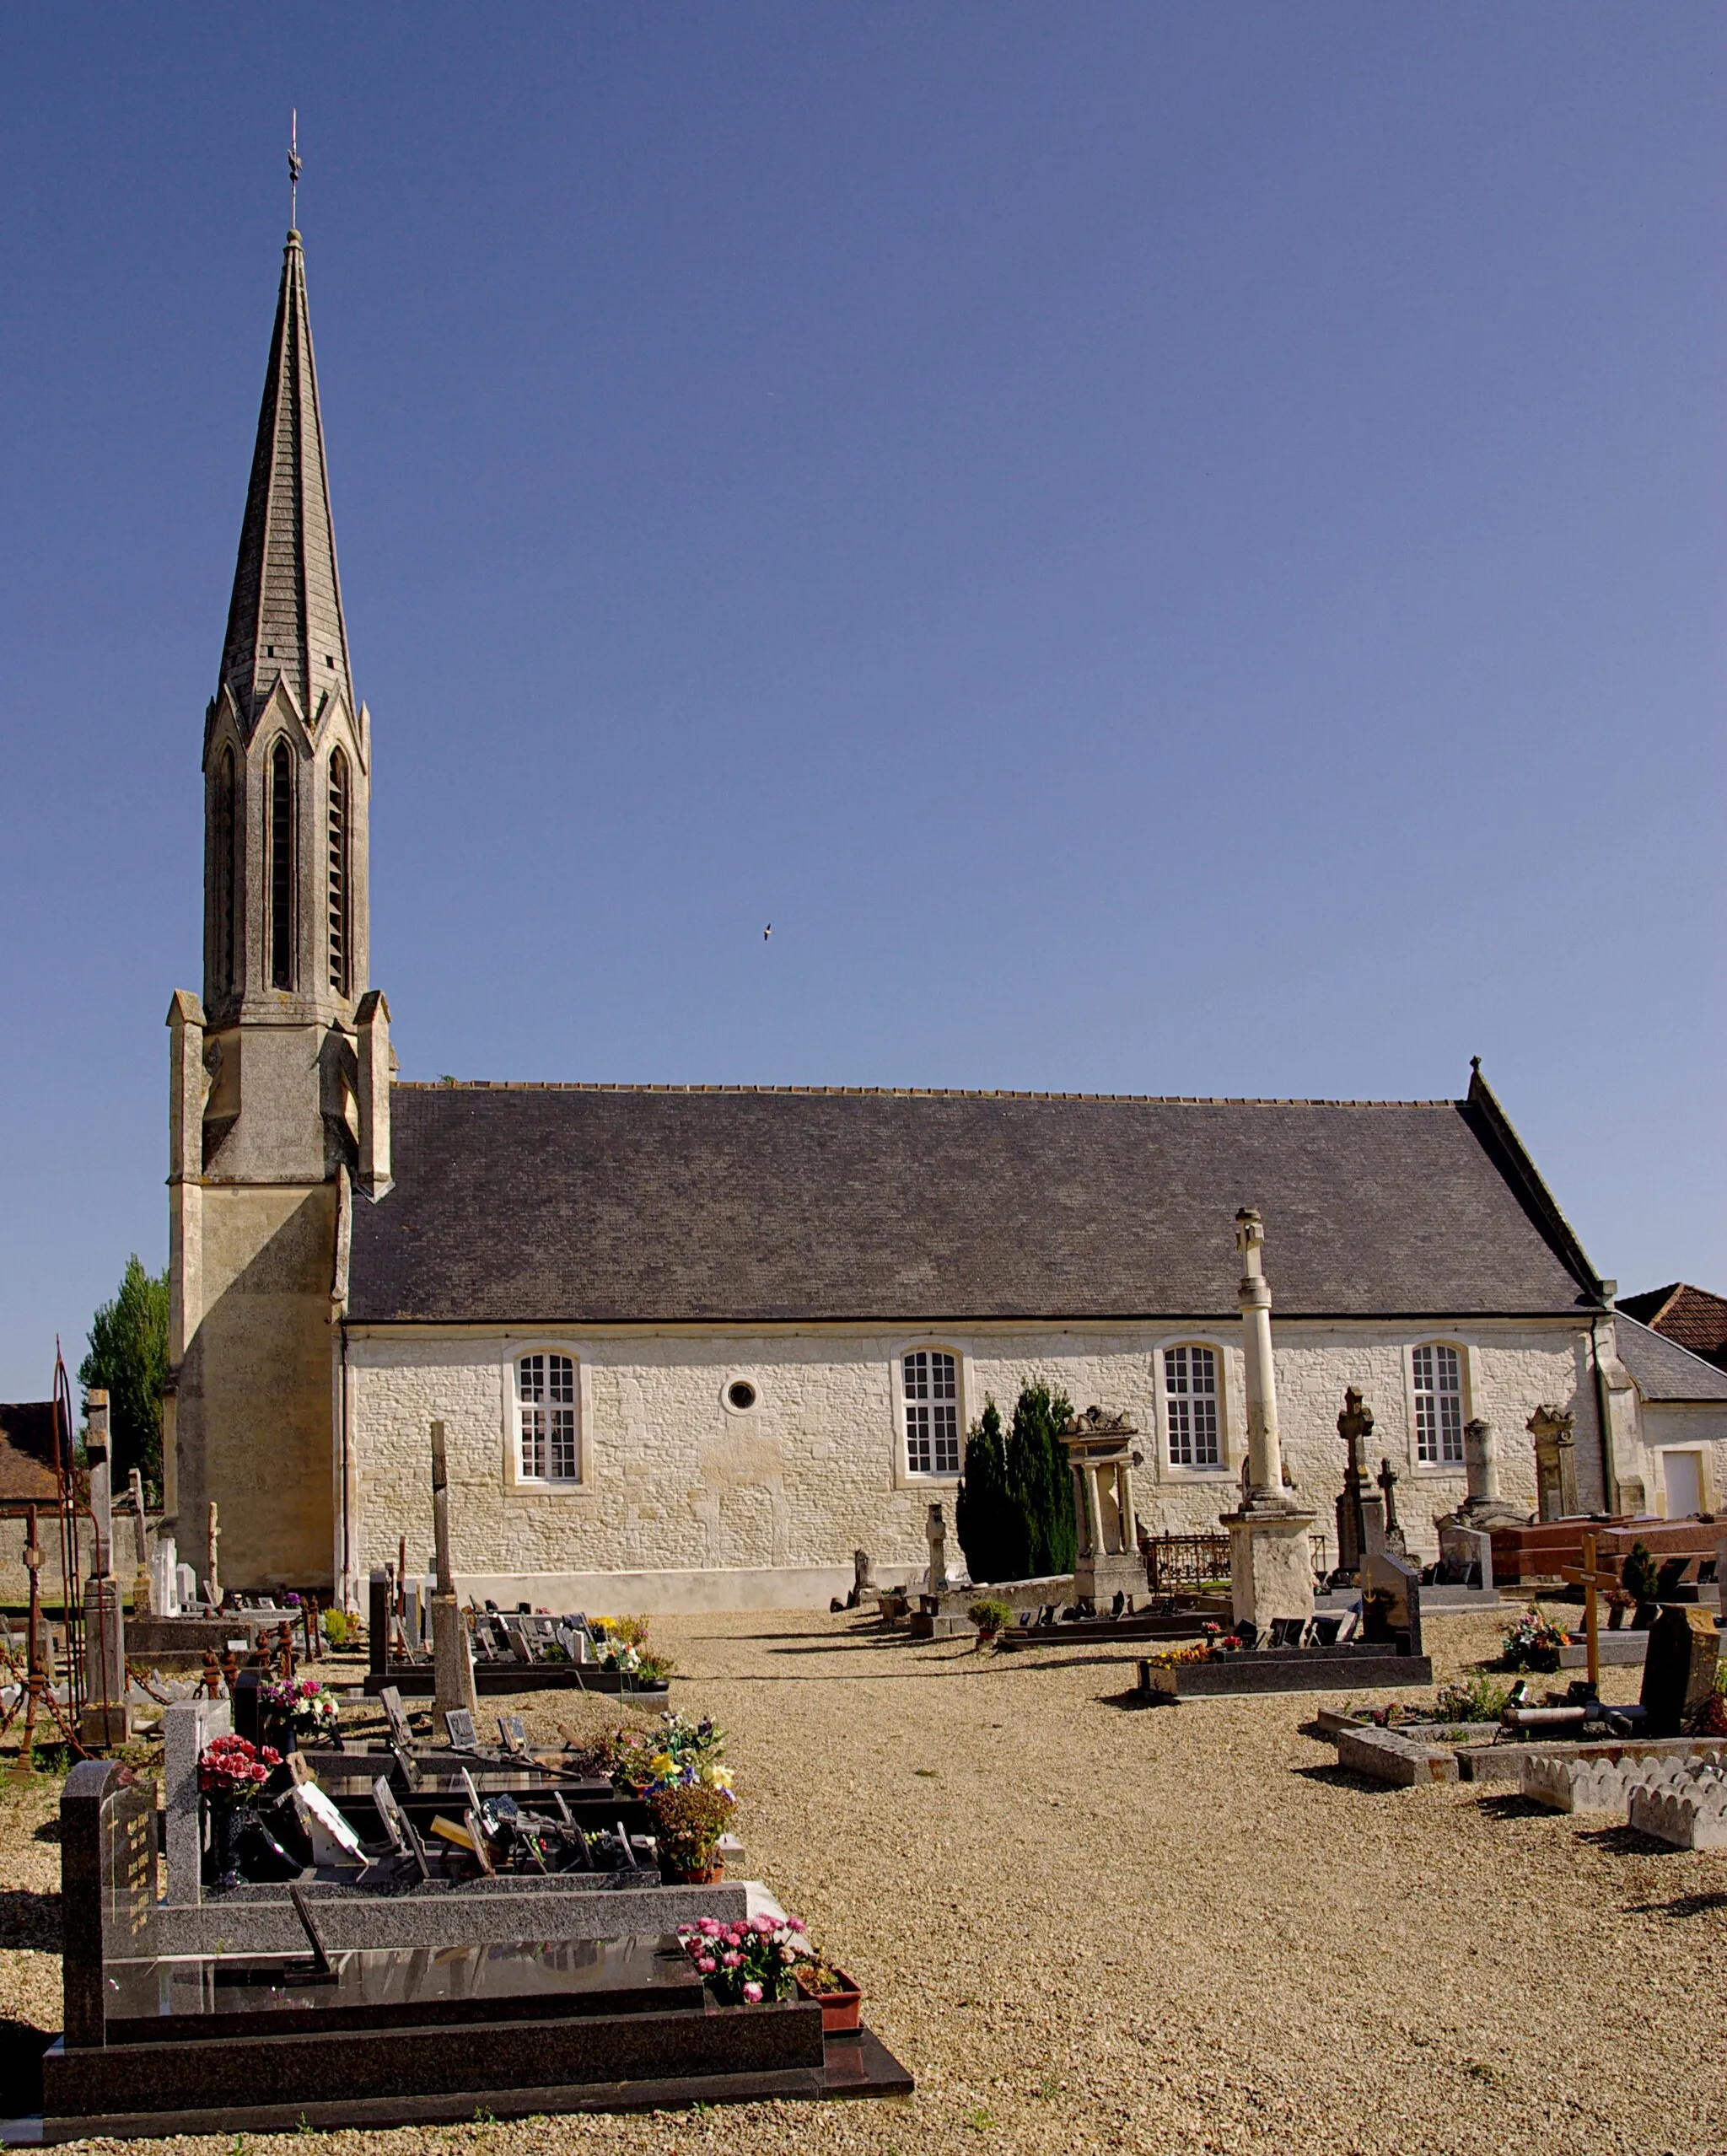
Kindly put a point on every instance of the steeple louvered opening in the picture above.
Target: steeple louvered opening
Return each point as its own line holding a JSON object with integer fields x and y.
{"x": 281, "y": 831}
{"x": 225, "y": 870}
{"x": 339, "y": 818}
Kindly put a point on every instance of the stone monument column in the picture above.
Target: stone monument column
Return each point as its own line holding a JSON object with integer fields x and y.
{"x": 1097, "y": 1446}
{"x": 1271, "y": 1565}
{"x": 452, "y": 1654}
{"x": 212, "y": 1578}
{"x": 936, "y": 1534}
{"x": 1554, "y": 1431}
{"x": 103, "y": 1719}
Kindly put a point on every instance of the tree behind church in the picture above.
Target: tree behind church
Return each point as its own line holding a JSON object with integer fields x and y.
{"x": 1042, "y": 1484}
{"x": 129, "y": 1356}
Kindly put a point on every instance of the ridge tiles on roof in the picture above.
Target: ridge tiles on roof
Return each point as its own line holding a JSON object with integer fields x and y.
{"x": 904, "y": 1092}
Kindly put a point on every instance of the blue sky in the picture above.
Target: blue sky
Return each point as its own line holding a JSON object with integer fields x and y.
{"x": 1166, "y": 549}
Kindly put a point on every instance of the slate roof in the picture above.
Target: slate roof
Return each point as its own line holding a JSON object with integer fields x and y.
{"x": 572, "y": 1205}
{"x": 27, "y": 1453}
{"x": 1663, "y": 1369}
{"x": 285, "y": 615}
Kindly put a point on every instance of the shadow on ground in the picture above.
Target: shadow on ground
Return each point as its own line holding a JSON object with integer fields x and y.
{"x": 30, "y": 1920}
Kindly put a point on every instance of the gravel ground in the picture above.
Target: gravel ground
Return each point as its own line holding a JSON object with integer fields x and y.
{"x": 1086, "y": 1926}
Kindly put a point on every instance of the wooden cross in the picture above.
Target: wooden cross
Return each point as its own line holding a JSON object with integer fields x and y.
{"x": 1591, "y": 1580}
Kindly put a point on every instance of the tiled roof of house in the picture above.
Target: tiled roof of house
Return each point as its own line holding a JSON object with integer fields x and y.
{"x": 285, "y": 616}
{"x": 542, "y": 1205}
{"x": 27, "y": 1453}
{"x": 1691, "y": 1315}
{"x": 1663, "y": 1369}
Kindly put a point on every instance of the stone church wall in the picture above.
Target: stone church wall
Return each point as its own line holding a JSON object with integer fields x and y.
{"x": 678, "y": 1487}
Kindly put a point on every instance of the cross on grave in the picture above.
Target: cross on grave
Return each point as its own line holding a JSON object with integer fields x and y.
{"x": 1387, "y": 1480}
{"x": 1591, "y": 1579}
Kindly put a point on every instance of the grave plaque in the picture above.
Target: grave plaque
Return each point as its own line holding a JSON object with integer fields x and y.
{"x": 1679, "y": 1668}
{"x": 1390, "y": 1598}
{"x": 107, "y": 1883}
{"x": 460, "y": 1723}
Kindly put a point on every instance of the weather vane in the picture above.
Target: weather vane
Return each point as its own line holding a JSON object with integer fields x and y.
{"x": 293, "y": 167}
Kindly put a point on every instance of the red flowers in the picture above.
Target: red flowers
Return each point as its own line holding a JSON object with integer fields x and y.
{"x": 235, "y": 1768}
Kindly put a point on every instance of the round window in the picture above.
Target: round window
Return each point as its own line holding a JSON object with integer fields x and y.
{"x": 740, "y": 1393}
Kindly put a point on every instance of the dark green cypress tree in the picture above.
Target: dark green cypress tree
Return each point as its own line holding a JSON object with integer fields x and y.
{"x": 1039, "y": 1482}
{"x": 982, "y": 1507}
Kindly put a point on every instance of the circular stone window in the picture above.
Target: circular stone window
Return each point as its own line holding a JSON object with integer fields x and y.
{"x": 740, "y": 1396}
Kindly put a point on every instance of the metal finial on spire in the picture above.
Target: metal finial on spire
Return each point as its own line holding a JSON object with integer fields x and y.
{"x": 293, "y": 167}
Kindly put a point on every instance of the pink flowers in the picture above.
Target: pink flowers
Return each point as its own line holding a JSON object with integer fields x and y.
{"x": 233, "y": 1768}
{"x": 750, "y": 1963}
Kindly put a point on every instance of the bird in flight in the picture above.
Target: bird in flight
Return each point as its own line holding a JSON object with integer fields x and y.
{"x": 767, "y": 932}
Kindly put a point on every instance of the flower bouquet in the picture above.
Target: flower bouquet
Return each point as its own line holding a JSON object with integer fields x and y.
{"x": 746, "y": 1963}
{"x": 309, "y": 1709}
{"x": 1533, "y": 1643}
{"x": 674, "y": 1749}
{"x": 232, "y": 1774}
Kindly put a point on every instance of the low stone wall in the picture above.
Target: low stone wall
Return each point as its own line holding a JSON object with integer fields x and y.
{"x": 671, "y": 1594}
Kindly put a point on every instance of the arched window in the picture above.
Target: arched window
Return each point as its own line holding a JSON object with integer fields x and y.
{"x": 1438, "y": 1406}
{"x": 1191, "y": 1405}
{"x": 281, "y": 866}
{"x": 222, "y": 866}
{"x": 339, "y": 812}
{"x": 547, "y": 1445}
{"x": 932, "y": 1382}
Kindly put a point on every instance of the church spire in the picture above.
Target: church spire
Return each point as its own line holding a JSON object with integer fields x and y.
{"x": 285, "y": 618}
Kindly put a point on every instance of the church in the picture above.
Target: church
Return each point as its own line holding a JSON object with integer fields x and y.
{"x": 692, "y": 1346}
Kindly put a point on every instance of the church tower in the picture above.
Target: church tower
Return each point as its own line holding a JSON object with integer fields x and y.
{"x": 280, "y": 1076}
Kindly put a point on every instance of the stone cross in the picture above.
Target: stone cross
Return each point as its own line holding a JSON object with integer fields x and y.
{"x": 103, "y": 1719}
{"x": 142, "y": 1597}
{"x": 1354, "y": 1426}
{"x": 452, "y": 1656}
{"x": 101, "y": 1482}
{"x": 213, "y": 1536}
{"x": 1387, "y": 1480}
{"x": 936, "y": 1532}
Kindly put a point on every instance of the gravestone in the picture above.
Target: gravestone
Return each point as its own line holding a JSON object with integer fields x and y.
{"x": 460, "y": 1725}
{"x": 164, "y": 1579}
{"x": 1679, "y": 1668}
{"x": 107, "y": 1883}
{"x": 936, "y": 1534}
{"x": 187, "y": 1728}
{"x": 1465, "y": 1556}
{"x": 185, "y": 1587}
{"x": 1390, "y": 1598}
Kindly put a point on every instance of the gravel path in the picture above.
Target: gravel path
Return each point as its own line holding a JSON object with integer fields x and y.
{"x": 1090, "y": 1927}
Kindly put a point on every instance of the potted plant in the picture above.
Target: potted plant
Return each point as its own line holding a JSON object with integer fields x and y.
{"x": 750, "y": 1963}
{"x": 689, "y": 1818}
{"x": 990, "y": 1616}
{"x": 839, "y": 1999}
{"x": 232, "y": 1775}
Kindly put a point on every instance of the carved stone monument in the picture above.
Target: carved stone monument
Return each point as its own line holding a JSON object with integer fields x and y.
{"x": 1101, "y": 1454}
{"x": 104, "y": 1720}
{"x": 1555, "y": 1460}
{"x": 1271, "y": 1565}
{"x": 1355, "y": 1427}
{"x": 142, "y": 1600}
{"x": 936, "y": 1532}
{"x": 452, "y": 1653}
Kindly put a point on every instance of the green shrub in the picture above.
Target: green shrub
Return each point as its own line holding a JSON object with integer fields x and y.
{"x": 1640, "y": 1575}
{"x": 1041, "y": 1482}
{"x": 341, "y": 1628}
{"x": 986, "y": 1519}
{"x": 990, "y": 1615}
{"x": 1477, "y": 1700}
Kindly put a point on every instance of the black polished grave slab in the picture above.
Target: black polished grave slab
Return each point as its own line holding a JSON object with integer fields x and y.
{"x": 200, "y": 1998}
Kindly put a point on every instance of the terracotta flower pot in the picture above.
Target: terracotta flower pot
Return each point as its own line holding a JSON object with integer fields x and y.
{"x": 840, "y": 2010}
{"x": 709, "y": 1874}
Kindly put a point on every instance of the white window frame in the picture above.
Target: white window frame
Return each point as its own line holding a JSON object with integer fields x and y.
{"x": 905, "y": 1476}
{"x": 1169, "y": 1401}
{"x": 1446, "y": 1455}
{"x": 582, "y": 1483}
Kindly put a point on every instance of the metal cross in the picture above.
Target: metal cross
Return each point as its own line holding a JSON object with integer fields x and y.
{"x": 293, "y": 167}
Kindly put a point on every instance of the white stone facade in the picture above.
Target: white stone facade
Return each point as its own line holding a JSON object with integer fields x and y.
{"x": 674, "y": 1482}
